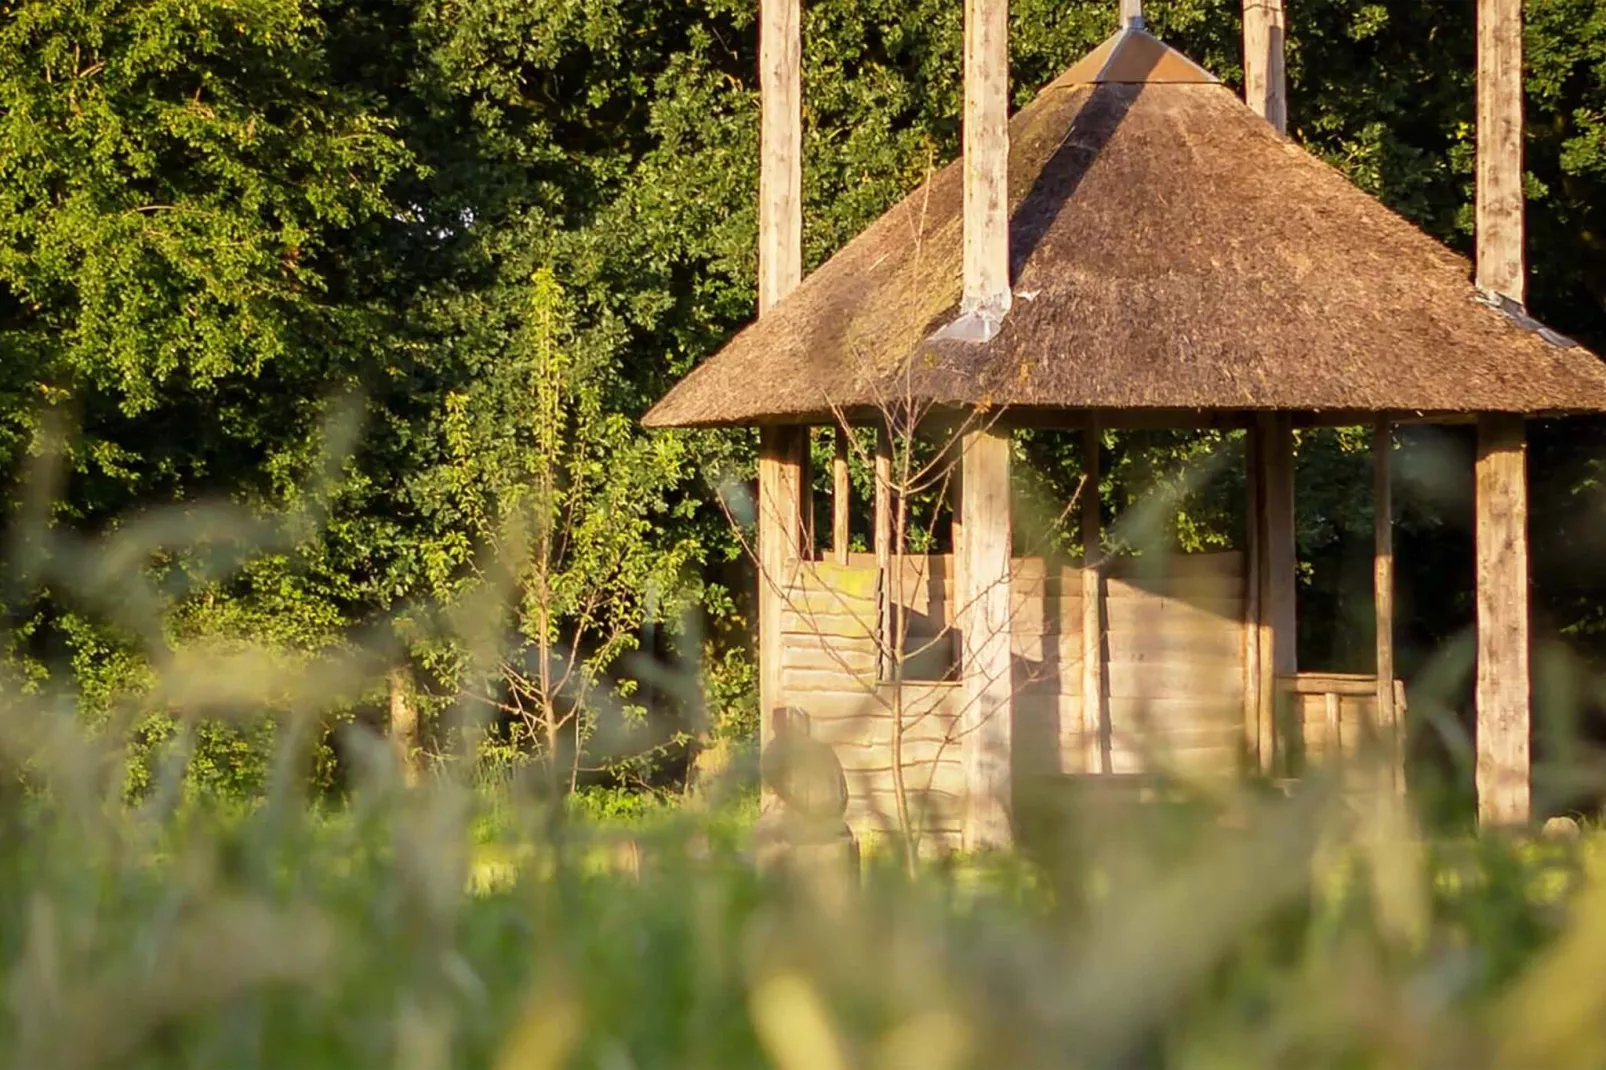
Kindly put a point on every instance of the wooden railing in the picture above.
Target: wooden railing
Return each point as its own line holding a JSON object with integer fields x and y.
{"x": 1335, "y": 715}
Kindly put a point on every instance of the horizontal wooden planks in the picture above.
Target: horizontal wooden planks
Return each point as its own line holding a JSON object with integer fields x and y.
{"x": 929, "y": 811}
{"x": 839, "y": 624}
{"x": 802, "y": 607}
{"x": 1317, "y": 683}
{"x": 1174, "y": 713}
{"x": 1217, "y": 644}
{"x": 1352, "y": 718}
{"x": 943, "y": 777}
{"x": 934, "y": 730}
{"x": 1202, "y": 735}
{"x": 1138, "y": 728}
{"x": 854, "y": 658}
{"x": 1147, "y": 610}
{"x": 1230, "y": 563}
{"x": 1049, "y": 707}
{"x": 1173, "y": 679}
{"x": 1206, "y": 646}
{"x": 880, "y": 701}
{"x": 919, "y": 750}
{"x": 831, "y": 680}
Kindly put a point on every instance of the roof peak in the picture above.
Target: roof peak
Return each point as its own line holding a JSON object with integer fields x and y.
{"x": 1132, "y": 55}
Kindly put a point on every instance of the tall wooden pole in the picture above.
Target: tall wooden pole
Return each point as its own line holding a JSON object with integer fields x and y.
{"x": 983, "y": 550}
{"x": 987, "y": 717}
{"x": 986, "y": 146}
{"x": 1499, "y": 188}
{"x": 956, "y": 530}
{"x": 1503, "y": 689}
{"x": 841, "y": 498}
{"x": 1094, "y": 728}
{"x": 883, "y": 497}
{"x": 780, "y": 170}
{"x": 1503, "y": 766}
{"x": 1132, "y": 12}
{"x": 783, "y": 451}
{"x": 782, "y": 473}
{"x": 1390, "y": 724}
{"x": 1277, "y": 565}
{"x": 885, "y": 533}
{"x": 1256, "y": 741}
{"x": 1271, "y": 498}
{"x": 1265, "y": 70}
{"x": 1383, "y": 576}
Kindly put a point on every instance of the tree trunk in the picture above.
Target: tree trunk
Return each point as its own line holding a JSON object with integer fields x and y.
{"x": 404, "y": 727}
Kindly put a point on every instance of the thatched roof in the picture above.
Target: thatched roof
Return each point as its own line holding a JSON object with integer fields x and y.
{"x": 1171, "y": 254}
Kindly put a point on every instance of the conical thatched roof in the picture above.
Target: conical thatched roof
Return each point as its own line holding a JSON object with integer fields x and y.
{"x": 1171, "y": 253}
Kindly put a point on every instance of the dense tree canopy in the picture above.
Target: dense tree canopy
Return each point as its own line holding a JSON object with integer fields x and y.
{"x": 275, "y": 258}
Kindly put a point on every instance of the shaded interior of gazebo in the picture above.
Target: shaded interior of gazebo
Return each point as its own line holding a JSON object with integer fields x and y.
{"x": 1175, "y": 262}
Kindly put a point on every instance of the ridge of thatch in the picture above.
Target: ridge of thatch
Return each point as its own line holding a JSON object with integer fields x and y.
{"x": 1170, "y": 252}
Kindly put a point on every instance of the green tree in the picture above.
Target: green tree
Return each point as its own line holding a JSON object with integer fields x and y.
{"x": 179, "y": 187}
{"x": 568, "y": 504}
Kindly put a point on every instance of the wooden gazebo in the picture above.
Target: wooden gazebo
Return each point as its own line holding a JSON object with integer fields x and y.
{"x": 1169, "y": 260}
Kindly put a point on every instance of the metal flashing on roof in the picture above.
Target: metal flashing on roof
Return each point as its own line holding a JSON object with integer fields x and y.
{"x": 978, "y": 322}
{"x": 1134, "y": 56}
{"x": 1517, "y": 313}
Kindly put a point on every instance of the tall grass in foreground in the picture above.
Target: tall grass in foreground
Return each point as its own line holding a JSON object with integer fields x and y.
{"x": 1241, "y": 932}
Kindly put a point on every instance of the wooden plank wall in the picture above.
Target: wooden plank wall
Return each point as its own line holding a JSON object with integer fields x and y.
{"x": 1175, "y": 663}
{"x": 924, "y": 587}
{"x": 829, "y": 670}
{"x": 1174, "y": 655}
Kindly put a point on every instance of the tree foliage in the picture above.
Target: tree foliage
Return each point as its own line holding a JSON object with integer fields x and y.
{"x": 219, "y": 217}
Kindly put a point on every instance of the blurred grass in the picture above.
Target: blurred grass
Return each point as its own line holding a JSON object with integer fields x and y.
{"x": 447, "y": 926}
{"x": 474, "y": 921}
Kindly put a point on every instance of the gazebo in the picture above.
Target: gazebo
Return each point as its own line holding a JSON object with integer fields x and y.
{"x": 1172, "y": 261}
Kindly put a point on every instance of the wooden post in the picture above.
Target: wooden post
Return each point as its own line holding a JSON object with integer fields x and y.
{"x": 982, "y": 522}
{"x": 1255, "y": 744}
{"x": 986, "y": 719}
{"x": 1504, "y": 792}
{"x": 883, "y": 497}
{"x": 986, "y": 147}
{"x": 1131, "y": 12}
{"x": 782, "y": 474}
{"x": 1094, "y": 727}
{"x": 1499, "y": 185}
{"x": 841, "y": 498}
{"x": 1278, "y": 564}
{"x": 1503, "y": 700}
{"x": 1383, "y": 579}
{"x": 780, "y": 170}
{"x": 1265, "y": 72}
{"x": 956, "y": 525}
{"x": 884, "y": 534}
{"x": 808, "y": 540}
{"x": 782, "y": 451}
